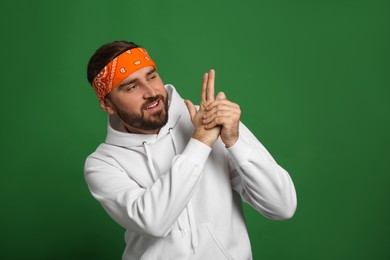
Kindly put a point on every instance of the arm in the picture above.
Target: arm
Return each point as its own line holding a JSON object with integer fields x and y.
{"x": 259, "y": 179}
{"x": 152, "y": 210}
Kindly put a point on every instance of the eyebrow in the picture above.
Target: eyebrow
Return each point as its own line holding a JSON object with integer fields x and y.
{"x": 134, "y": 80}
{"x": 151, "y": 71}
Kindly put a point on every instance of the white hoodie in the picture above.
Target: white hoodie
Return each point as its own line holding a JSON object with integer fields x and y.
{"x": 178, "y": 198}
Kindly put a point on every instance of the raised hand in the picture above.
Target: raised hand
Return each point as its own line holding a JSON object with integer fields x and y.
{"x": 201, "y": 133}
{"x": 225, "y": 113}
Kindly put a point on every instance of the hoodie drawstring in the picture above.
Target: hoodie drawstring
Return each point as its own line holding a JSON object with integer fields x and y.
{"x": 179, "y": 222}
{"x": 150, "y": 161}
{"x": 173, "y": 140}
{"x": 194, "y": 236}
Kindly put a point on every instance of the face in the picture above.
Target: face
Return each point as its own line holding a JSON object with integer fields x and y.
{"x": 140, "y": 101}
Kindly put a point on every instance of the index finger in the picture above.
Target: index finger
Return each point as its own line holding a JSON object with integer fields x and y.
{"x": 204, "y": 89}
{"x": 210, "y": 87}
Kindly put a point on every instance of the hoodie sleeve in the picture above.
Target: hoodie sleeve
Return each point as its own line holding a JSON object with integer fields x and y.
{"x": 150, "y": 211}
{"x": 259, "y": 180}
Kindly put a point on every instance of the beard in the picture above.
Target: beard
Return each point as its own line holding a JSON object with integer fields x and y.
{"x": 154, "y": 122}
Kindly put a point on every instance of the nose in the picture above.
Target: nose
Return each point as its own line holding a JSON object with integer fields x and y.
{"x": 149, "y": 90}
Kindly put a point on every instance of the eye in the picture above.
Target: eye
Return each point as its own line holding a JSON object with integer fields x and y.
{"x": 130, "y": 88}
{"x": 152, "y": 77}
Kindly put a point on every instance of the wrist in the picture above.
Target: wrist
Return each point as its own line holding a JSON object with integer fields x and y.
{"x": 204, "y": 139}
{"x": 231, "y": 142}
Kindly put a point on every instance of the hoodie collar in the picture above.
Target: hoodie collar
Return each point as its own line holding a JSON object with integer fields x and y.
{"x": 118, "y": 135}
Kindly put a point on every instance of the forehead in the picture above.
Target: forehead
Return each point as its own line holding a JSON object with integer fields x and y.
{"x": 139, "y": 74}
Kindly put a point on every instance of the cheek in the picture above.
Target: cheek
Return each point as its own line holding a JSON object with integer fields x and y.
{"x": 162, "y": 90}
{"x": 130, "y": 104}
{"x": 160, "y": 85}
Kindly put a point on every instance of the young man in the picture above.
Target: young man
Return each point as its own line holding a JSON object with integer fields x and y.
{"x": 171, "y": 174}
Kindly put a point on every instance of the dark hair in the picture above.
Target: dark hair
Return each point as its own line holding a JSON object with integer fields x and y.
{"x": 104, "y": 55}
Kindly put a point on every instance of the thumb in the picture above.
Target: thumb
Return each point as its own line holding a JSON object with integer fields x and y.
{"x": 221, "y": 96}
{"x": 191, "y": 108}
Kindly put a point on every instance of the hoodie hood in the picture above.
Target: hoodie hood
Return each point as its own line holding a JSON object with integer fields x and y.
{"x": 118, "y": 135}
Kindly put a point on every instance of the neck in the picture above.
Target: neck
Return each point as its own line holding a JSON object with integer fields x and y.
{"x": 134, "y": 130}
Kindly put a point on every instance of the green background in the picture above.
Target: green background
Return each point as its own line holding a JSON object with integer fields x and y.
{"x": 312, "y": 79}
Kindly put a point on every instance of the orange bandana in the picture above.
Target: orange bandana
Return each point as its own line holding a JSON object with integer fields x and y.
{"x": 119, "y": 68}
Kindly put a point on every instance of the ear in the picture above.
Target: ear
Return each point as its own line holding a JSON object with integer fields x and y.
{"x": 107, "y": 106}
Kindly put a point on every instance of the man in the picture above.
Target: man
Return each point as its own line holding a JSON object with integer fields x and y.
{"x": 171, "y": 174}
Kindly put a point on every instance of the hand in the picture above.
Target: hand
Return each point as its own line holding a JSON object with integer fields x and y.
{"x": 210, "y": 135}
{"x": 225, "y": 113}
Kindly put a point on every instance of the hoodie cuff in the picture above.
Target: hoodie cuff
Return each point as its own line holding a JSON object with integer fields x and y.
{"x": 197, "y": 152}
{"x": 240, "y": 151}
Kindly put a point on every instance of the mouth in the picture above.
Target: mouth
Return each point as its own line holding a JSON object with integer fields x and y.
{"x": 153, "y": 105}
